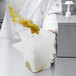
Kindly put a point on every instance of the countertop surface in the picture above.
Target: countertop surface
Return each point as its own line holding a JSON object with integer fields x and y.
{"x": 63, "y": 19}
{"x": 12, "y": 57}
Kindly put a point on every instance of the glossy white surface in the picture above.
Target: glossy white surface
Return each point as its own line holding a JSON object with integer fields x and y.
{"x": 12, "y": 62}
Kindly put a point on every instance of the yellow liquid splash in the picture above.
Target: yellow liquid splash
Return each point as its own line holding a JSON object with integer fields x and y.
{"x": 16, "y": 18}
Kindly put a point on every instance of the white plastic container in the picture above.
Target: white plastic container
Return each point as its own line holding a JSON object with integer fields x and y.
{"x": 37, "y": 49}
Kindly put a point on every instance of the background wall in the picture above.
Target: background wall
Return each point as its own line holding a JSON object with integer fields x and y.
{"x": 73, "y": 7}
{"x": 2, "y": 6}
{"x": 64, "y": 7}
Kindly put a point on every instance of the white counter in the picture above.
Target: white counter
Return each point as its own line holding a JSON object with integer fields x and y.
{"x": 63, "y": 19}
